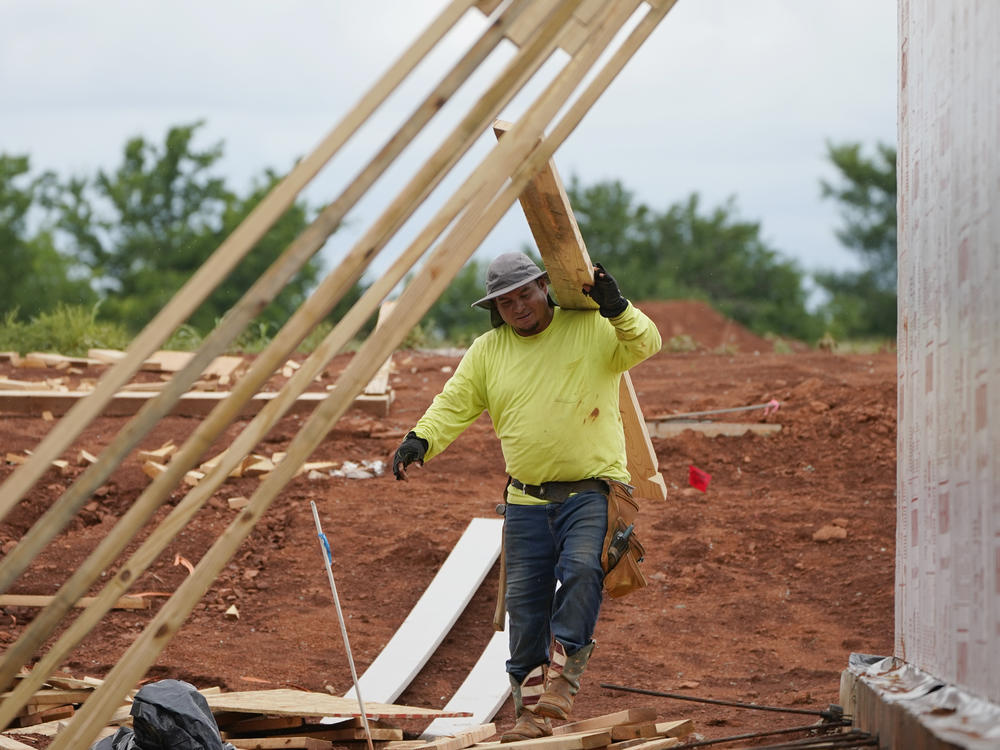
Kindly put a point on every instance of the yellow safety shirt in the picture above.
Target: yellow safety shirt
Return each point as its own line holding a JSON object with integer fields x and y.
{"x": 552, "y": 397}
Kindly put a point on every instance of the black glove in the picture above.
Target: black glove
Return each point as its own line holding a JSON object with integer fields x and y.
{"x": 412, "y": 449}
{"x": 606, "y": 294}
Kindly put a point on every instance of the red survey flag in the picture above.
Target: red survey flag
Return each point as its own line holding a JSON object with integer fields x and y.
{"x": 698, "y": 479}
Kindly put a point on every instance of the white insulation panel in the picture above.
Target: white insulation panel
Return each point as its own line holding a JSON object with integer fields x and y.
{"x": 948, "y": 520}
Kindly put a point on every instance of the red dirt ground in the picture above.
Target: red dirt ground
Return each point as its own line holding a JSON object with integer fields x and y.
{"x": 743, "y": 604}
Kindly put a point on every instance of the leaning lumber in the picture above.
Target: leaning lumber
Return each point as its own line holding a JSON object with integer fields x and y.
{"x": 330, "y": 290}
{"x": 483, "y": 213}
{"x": 214, "y": 271}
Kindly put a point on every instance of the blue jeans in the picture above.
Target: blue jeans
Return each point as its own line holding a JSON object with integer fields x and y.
{"x": 544, "y": 544}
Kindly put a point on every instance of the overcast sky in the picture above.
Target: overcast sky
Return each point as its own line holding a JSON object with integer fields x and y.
{"x": 727, "y": 98}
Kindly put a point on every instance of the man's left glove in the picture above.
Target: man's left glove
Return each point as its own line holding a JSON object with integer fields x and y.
{"x": 606, "y": 294}
{"x": 412, "y": 449}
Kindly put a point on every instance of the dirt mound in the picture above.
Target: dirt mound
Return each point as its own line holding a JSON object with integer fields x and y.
{"x": 706, "y": 327}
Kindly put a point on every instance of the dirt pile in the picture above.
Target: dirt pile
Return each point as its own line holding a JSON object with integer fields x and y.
{"x": 697, "y": 325}
{"x": 743, "y": 604}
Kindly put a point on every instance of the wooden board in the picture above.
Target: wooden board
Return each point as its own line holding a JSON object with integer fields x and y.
{"x": 634, "y": 731}
{"x": 583, "y": 741}
{"x": 654, "y": 744}
{"x": 433, "y": 615}
{"x": 9, "y": 743}
{"x": 643, "y": 465}
{"x": 627, "y": 716}
{"x": 174, "y": 361}
{"x": 191, "y": 404}
{"x": 287, "y": 702}
{"x": 550, "y": 217}
{"x": 41, "y": 600}
{"x": 52, "y": 359}
{"x": 462, "y": 739}
{"x": 55, "y": 697}
{"x": 711, "y": 429}
{"x": 483, "y": 691}
{"x": 273, "y": 743}
{"x": 379, "y": 384}
{"x": 678, "y": 728}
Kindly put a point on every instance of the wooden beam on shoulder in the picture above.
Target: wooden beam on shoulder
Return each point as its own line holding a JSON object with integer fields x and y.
{"x": 550, "y": 217}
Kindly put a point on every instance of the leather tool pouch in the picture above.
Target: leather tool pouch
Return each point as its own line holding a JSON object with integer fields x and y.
{"x": 625, "y": 576}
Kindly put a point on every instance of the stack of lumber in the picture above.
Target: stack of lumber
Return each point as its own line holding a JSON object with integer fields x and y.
{"x": 50, "y": 709}
{"x": 631, "y": 729}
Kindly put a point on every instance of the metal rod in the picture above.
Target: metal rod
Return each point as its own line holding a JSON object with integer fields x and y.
{"x": 851, "y": 739}
{"x": 328, "y": 563}
{"x": 773, "y": 732}
{"x": 735, "y": 704}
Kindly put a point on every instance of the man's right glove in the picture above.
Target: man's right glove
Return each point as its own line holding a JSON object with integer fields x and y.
{"x": 412, "y": 449}
{"x": 606, "y": 294}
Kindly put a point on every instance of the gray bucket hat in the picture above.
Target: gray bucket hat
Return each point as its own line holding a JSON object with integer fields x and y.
{"x": 505, "y": 274}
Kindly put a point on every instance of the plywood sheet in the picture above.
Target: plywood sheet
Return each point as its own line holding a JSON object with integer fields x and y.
{"x": 286, "y": 702}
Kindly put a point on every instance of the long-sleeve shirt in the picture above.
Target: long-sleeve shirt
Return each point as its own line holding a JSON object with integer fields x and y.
{"x": 552, "y": 397}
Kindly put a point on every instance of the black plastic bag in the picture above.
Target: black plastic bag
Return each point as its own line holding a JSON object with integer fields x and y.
{"x": 168, "y": 715}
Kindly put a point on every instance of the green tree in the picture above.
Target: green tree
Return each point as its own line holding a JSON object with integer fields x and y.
{"x": 863, "y": 303}
{"x": 36, "y": 276}
{"x": 686, "y": 251}
{"x": 146, "y": 227}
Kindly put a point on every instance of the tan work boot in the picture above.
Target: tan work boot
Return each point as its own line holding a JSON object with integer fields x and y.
{"x": 529, "y": 726}
{"x": 562, "y": 681}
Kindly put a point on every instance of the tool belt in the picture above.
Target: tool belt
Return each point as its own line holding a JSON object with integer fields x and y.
{"x": 622, "y": 551}
{"x": 557, "y": 492}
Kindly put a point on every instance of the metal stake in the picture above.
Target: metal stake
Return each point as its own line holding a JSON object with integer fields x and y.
{"x": 328, "y": 563}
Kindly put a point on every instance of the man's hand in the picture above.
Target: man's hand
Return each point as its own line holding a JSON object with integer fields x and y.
{"x": 605, "y": 293}
{"x": 412, "y": 449}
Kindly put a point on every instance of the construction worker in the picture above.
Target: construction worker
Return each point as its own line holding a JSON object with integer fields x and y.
{"x": 549, "y": 379}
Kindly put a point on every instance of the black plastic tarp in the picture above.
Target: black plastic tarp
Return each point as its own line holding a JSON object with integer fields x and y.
{"x": 168, "y": 715}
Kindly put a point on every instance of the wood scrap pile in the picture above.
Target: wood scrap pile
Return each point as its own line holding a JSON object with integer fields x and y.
{"x": 294, "y": 719}
{"x": 631, "y": 729}
{"x": 257, "y": 465}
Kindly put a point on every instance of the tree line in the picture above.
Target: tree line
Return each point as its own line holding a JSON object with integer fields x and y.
{"x": 121, "y": 242}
